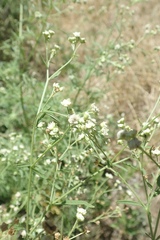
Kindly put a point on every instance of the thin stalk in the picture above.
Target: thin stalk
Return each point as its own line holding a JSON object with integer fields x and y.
{"x": 53, "y": 183}
{"x": 77, "y": 235}
{"x": 30, "y": 178}
{"x": 118, "y": 155}
{"x": 149, "y": 156}
{"x": 49, "y": 148}
{"x": 73, "y": 228}
{"x": 47, "y": 81}
{"x": 150, "y": 224}
{"x": 131, "y": 189}
{"x": 155, "y": 106}
{"x": 21, "y": 19}
{"x": 157, "y": 223}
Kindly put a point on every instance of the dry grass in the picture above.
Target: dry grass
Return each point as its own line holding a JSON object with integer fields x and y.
{"x": 135, "y": 91}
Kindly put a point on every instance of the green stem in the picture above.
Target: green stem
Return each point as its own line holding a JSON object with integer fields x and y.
{"x": 53, "y": 183}
{"x": 149, "y": 156}
{"x": 73, "y": 228}
{"x": 157, "y": 223}
{"x": 155, "y": 106}
{"x": 47, "y": 81}
{"x": 131, "y": 189}
{"x": 150, "y": 224}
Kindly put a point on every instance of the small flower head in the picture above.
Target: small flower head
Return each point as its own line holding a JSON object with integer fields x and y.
{"x": 156, "y": 151}
{"x": 37, "y": 14}
{"x": 40, "y": 124}
{"x": 18, "y": 195}
{"x": 23, "y": 233}
{"x": 66, "y": 102}
{"x": 52, "y": 129}
{"x": 76, "y": 39}
{"x": 57, "y": 88}
{"x": 77, "y": 34}
{"x": 51, "y": 126}
{"x": 90, "y": 123}
{"x": 104, "y": 129}
{"x": 80, "y": 214}
{"x": 94, "y": 108}
{"x": 48, "y": 34}
{"x": 74, "y": 119}
{"x": 80, "y": 217}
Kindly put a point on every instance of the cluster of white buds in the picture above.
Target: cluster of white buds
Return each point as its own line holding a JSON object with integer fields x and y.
{"x": 86, "y": 122}
{"x": 52, "y": 129}
{"x": 121, "y": 124}
{"x": 94, "y": 108}
{"x": 104, "y": 129}
{"x": 48, "y": 34}
{"x": 76, "y": 39}
{"x": 81, "y": 212}
{"x": 54, "y": 51}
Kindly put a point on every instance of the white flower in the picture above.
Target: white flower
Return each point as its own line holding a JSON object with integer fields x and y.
{"x": 90, "y": 123}
{"x": 81, "y": 210}
{"x": 48, "y": 34}
{"x": 129, "y": 192}
{"x": 66, "y": 102}
{"x": 147, "y": 131}
{"x": 80, "y": 217}
{"x": 37, "y": 14}
{"x": 156, "y": 151}
{"x": 94, "y": 108}
{"x": 21, "y": 146}
{"x": 47, "y": 162}
{"x": 51, "y": 126}
{"x": 81, "y": 136}
{"x": 57, "y": 88}
{"x": 18, "y": 194}
{"x": 54, "y": 131}
{"x": 15, "y": 148}
{"x": 117, "y": 47}
{"x": 77, "y": 34}
{"x": 109, "y": 175}
{"x": 40, "y": 124}
{"x": 104, "y": 129}
{"x": 23, "y": 233}
{"x": 74, "y": 119}
{"x": 80, "y": 213}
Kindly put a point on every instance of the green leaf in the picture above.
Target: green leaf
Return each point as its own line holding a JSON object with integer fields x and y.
{"x": 79, "y": 202}
{"x": 158, "y": 181}
{"x": 128, "y": 202}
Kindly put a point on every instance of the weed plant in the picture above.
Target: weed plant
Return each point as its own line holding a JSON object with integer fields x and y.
{"x": 72, "y": 166}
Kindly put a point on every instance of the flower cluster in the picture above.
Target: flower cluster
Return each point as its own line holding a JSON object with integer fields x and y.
{"x": 66, "y": 102}
{"x": 57, "y": 88}
{"x": 86, "y": 122}
{"x": 156, "y": 151}
{"x": 81, "y": 212}
{"x": 104, "y": 129}
{"x": 76, "y": 39}
{"x": 94, "y": 108}
{"x": 54, "y": 51}
{"x": 121, "y": 124}
{"x": 48, "y": 34}
{"x": 148, "y": 127}
{"x": 52, "y": 129}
